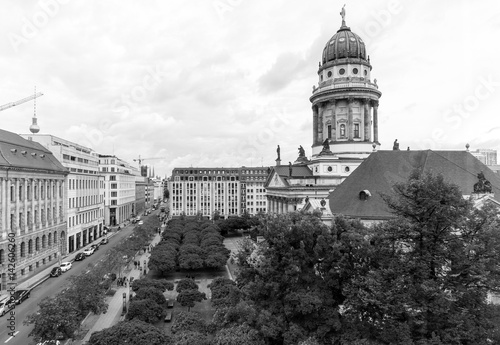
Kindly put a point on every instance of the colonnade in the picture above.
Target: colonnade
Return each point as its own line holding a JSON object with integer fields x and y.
{"x": 319, "y": 121}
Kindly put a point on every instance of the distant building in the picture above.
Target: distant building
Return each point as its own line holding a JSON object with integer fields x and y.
{"x": 229, "y": 191}
{"x": 253, "y": 192}
{"x": 119, "y": 189}
{"x": 486, "y": 156}
{"x": 32, "y": 207}
{"x": 85, "y": 189}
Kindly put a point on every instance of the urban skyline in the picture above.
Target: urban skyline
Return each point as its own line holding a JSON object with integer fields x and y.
{"x": 221, "y": 83}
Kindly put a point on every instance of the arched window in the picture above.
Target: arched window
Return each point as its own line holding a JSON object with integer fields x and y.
{"x": 55, "y": 237}
{"x": 44, "y": 241}
{"x": 30, "y": 246}
{"x": 37, "y": 244}
{"x": 2, "y": 256}
{"x": 342, "y": 130}
{"x": 49, "y": 242}
{"x": 23, "y": 249}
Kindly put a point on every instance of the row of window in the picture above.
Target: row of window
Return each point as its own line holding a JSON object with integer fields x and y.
{"x": 84, "y": 218}
{"x": 32, "y": 193}
{"x": 342, "y": 132}
{"x": 83, "y": 201}
{"x": 46, "y": 216}
{"x": 74, "y": 183}
{"x": 45, "y": 241}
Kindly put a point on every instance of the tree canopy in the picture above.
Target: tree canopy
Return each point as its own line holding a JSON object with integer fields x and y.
{"x": 130, "y": 332}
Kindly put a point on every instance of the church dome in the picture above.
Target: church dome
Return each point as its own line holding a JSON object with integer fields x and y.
{"x": 344, "y": 44}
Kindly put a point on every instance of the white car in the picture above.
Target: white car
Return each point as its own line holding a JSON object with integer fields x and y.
{"x": 140, "y": 222}
{"x": 88, "y": 251}
{"x": 65, "y": 266}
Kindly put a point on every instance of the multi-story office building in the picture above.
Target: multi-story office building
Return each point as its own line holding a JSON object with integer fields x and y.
{"x": 253, "y": 192}
{"x": 229, "y": 191}
{"x": 33, "y": 198}
{"x": 486, "y": 156}
{"x": 119, "y": 189}
{"x": 84, "y": 186}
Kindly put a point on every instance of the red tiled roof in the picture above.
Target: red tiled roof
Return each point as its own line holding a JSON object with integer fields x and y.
{"x": 382, "y": 169}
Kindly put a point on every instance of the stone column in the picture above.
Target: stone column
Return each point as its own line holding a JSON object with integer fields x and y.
{"x": 8, "y": 184}
{"x": 25, "y": 205}
{"x": 367, "y": 119}
{"x": 334, "y": 120}
{"x": 315, "y": 124}
{"x": 350, "y": 126}
{"x": 375, "y": 121}
{"x": 18, "y": 202}
{"x": 321, "y": 123}
{"x": 4, "y": 208}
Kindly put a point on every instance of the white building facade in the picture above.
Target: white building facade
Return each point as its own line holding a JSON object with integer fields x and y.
{"x": 84, "y": 188}
{"x": 119, "y": 189}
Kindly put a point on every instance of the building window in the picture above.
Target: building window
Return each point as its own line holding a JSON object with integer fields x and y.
{"x": 30, "y": 246}
{"x": 356, "y": 130}
{"x": 23, "y": 249}
{"x": 342, "y": 131}
{"x": 329, "y": 131}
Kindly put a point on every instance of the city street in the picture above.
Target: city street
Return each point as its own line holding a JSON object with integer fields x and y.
{"x": 50, "y": 288}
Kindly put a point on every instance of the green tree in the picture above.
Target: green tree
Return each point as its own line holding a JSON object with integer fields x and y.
{"x": 238, "y": 335}
{"x": 286, "y": 279}
{"x": 58, "y": 317}
{"x": 145, "y": 310}
{"x": 186, "y": 284}
{"x": 151, "y": 293}
{"x": 430, "y": 269}
{"x": 188, "y": 322}
{"x": 162, "y": 260}
{"x": 130, "y": 332}
{"x": 190, "y": 338}
{"x": 187, "y": 298}
{"x": 160, "y": 284}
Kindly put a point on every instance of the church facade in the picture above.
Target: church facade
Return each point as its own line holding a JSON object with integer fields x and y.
{"x": 345, "y": 126}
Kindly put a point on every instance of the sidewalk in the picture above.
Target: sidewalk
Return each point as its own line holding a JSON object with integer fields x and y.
{"x": 115, "y": 305}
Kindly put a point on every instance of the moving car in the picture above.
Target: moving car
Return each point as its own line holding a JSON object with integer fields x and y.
{"x": 65, "y": 266}
{"x": 21, "y": 295}
{"x": 56, "y": 272}
{"x": 80, "y": 256}
{"x": 89, "y": 251}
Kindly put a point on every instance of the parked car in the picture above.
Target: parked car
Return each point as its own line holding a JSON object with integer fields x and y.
{"x": 168, "y": 317}
{"x": 80, "y": 257}
{"x": 94, "y": 247}
{"x": 20, "y": 296}
{"x": 65, "y": 266}
{"x": 140, "y": 222}
{"x": 56, "y": 272}
{"x": 5, "y": 306}
{"x": 89, "y": 251}
{"x": 104, "y": 241}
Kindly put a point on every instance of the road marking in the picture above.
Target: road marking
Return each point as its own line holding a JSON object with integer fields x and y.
{"x": 15, "y": 333}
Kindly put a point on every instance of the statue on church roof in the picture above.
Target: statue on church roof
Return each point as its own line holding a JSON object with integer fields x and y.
{"x": 395, "y": 147}
{"x": 483, "y": 185}
{"x": 290, "y": 169}
{"x": 278, "y": 151}
{"x": 302, "y": 152}
{"x": 326, "y": 148}
{"x": 342, "y": 14}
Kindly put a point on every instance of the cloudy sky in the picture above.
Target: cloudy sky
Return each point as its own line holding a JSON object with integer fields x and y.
{"x": 222, "y": 82}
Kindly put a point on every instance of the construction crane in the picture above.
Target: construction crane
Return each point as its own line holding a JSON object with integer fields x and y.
{"x": 24, "y": 100}
{"x": 146, "y": 159}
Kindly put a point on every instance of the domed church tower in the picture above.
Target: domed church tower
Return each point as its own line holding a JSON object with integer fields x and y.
{"x": 345, "y": 103}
